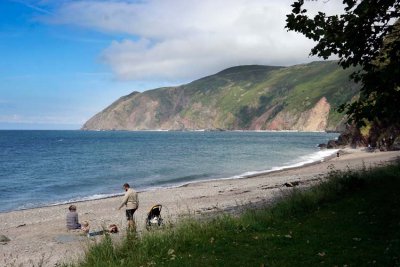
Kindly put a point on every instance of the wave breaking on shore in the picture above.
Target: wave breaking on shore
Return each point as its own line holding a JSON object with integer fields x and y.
{"x": 309, "y": 159}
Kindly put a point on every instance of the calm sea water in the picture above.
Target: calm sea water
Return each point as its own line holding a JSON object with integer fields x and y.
{"x": 39, "y": 168}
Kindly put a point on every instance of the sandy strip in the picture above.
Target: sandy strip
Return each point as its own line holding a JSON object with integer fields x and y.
{"x": 40, "y": 235}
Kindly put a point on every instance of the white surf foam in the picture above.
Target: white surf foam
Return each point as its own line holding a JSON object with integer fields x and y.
{"x": 318, "y": 156}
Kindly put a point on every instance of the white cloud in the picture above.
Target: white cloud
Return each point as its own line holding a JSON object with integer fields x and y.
{"x": 185, "y": 39}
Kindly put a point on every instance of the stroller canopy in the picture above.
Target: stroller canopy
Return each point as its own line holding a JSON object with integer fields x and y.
{"x": 154, "y": 217}
{"x": 155, "y": 211}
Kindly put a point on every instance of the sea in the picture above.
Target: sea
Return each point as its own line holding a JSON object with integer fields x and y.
{"x": 44, "y": 168}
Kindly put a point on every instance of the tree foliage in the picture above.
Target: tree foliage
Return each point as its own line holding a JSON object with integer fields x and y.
{"x": 365, "y": 36}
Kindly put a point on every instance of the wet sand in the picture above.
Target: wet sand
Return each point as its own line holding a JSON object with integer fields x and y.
{"x": 39, "y": 235}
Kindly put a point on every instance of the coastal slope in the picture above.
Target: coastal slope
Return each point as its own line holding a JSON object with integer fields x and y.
{"x": 253, "y": 97}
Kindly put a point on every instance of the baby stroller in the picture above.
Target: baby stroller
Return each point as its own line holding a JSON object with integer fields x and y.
{"x": 154, "y": 217}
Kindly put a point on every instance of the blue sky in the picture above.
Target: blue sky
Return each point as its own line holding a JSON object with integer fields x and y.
{"x": 64, "y": 61}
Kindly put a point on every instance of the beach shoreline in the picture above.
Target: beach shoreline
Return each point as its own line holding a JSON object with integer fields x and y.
{"x": 39, "y": 234}
{"x": 249, "y": 174}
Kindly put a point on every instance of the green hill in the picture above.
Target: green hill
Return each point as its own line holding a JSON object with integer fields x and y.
{"x": 302, "y": 97}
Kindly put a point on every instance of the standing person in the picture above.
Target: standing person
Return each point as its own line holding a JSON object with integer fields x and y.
{"x": 131, "y": 203}
{"x": 72, "y": 218}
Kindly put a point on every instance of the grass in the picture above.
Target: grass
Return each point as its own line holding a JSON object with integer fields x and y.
{"x": 353, "y": 219}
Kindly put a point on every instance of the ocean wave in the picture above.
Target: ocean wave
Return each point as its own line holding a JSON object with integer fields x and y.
{"x": 88, "y": 198}
{"x": 69, "y": 201}
{"x": 319, "y": 156}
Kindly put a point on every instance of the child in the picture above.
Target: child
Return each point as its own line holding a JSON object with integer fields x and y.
{"x": 85, "y": 227}
{"x": 113, "y": 229}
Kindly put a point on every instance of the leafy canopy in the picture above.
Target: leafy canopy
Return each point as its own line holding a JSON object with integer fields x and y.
{"x": 365, "y": 36}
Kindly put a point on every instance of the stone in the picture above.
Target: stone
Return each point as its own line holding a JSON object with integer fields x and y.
{"x": 288, "y": 184}
{"x": 4, "y": 239}
{"x": 291, "y": 184}
{"x": 322, "y": 145}
{"x": 331, "y": 144}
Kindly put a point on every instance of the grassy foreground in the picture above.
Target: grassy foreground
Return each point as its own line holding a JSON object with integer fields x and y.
{"x": 351, "y": 220}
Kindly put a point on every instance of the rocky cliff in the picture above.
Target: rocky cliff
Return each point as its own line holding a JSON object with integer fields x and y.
{"x": 301, "y": 97}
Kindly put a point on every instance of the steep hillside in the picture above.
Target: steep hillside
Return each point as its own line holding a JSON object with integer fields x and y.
{"x": 301, "y": 97}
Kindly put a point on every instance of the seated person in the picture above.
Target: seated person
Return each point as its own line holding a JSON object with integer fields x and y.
{"x": 85, "y": 227}
{"x": 113, "y": 229}
{"x": 72, "y": 218}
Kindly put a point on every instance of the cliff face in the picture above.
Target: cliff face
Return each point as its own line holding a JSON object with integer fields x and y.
{"x": 314, "y": 119}
{"x": 301, "y": 97}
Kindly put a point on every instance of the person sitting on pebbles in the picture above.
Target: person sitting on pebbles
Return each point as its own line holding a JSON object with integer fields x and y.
{"x": 72, "y": 218}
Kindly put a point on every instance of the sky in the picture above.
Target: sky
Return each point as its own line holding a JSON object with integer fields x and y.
{"x": 63, "y": 61}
